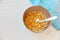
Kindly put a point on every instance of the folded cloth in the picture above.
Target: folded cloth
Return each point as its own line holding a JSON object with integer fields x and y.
{"x": 52, "y": 7}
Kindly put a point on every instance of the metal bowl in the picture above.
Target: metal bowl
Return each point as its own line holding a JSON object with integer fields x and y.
{"x": 40, "y": 8}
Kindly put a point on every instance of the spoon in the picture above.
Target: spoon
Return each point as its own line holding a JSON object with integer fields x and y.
{"x": 48, "y": 19}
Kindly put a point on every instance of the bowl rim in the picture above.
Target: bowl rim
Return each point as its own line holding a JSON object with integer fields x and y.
{"x": 37, "y": 7}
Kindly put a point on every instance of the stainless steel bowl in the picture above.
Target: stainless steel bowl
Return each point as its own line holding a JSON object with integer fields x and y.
{"x": 40, "y": 8}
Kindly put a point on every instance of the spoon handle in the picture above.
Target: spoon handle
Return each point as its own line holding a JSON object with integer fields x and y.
{"x": 51, "y": 18}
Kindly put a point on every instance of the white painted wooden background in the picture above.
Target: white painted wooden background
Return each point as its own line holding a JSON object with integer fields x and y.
{"x": 11, "y": 23}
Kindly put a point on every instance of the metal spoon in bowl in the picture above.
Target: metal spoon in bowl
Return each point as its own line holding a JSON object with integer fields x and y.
{"x": 48, "y": 19}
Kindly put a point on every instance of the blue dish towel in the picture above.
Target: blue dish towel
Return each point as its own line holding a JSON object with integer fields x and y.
{"x": 52, "y": 6}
